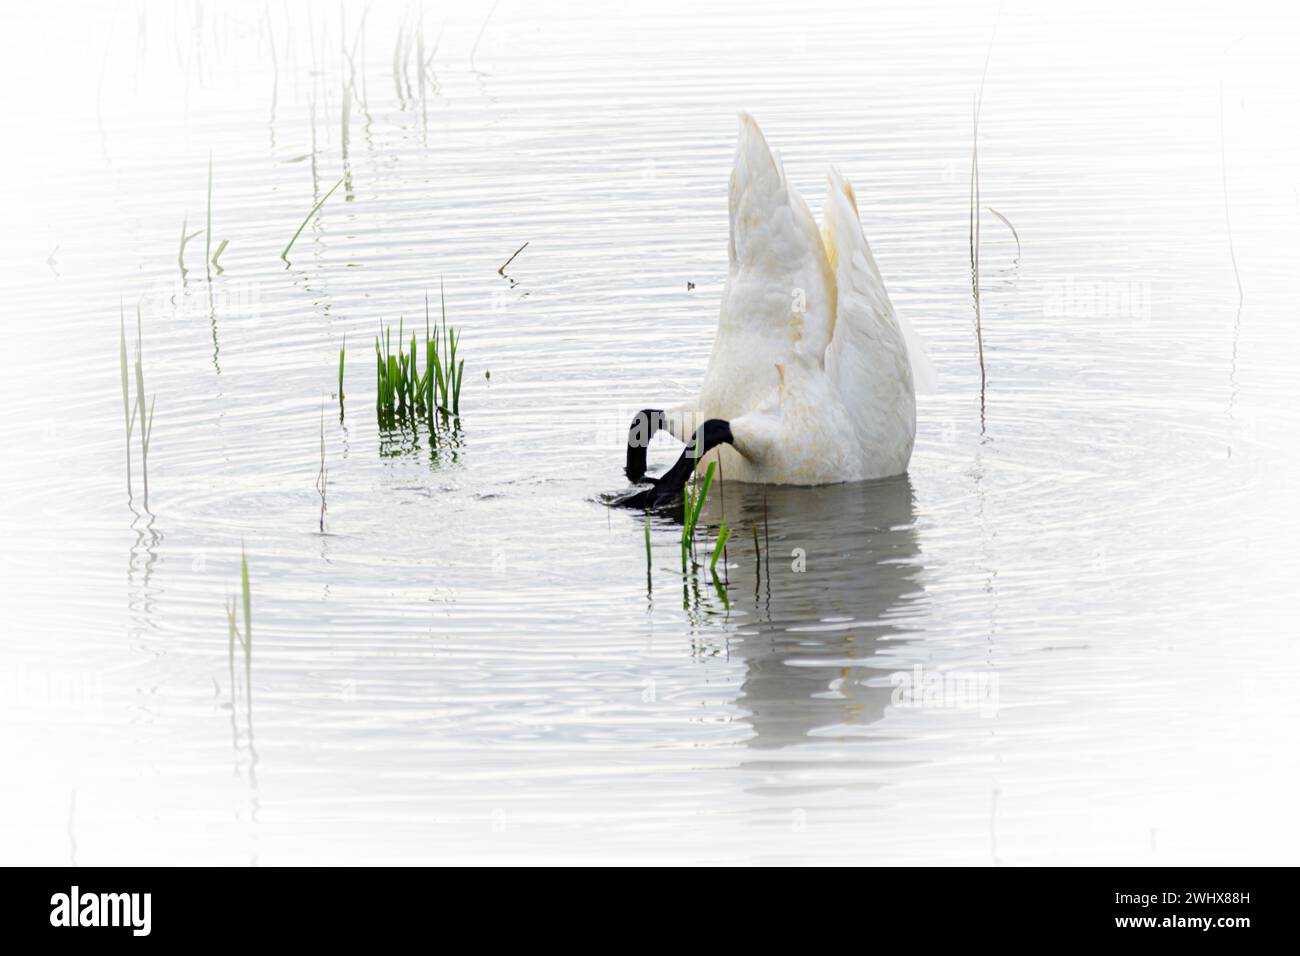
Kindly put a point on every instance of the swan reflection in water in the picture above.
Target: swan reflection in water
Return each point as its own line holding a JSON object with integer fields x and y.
{"x": 840, "y": 564}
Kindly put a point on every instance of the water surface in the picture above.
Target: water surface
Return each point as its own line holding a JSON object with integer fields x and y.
{"x": 1090, "y": 585}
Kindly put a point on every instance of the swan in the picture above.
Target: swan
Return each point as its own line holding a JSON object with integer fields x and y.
{"x": 813, "y": 377}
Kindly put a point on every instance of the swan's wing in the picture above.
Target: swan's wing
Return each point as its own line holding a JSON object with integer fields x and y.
{"x": 869, "y": 338}
{"x": 780, "y": 290}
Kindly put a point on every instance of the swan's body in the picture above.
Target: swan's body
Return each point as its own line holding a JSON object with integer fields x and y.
{"x": 811, "y": 369}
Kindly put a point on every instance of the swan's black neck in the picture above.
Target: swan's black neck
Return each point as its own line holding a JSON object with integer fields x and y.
{"x": 644, "y": 425}
{"x": 708, "y": 436}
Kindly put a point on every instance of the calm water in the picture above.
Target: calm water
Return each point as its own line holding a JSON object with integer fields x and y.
{"x": 1092, "y": 595}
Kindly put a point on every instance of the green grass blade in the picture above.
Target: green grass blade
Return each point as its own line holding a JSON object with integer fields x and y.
{"x": 126, "y": 403}
{"x": 139, "y": 383}
{"x": 723, "y": 534}
{"x": 703, "y": 493}
{"x": 314, "y": 209}
{"x": 147, "y": 429}
{"x": 430, "y": 362}
{"x": 217, "y": 255}
{"x": 722, "y": 592}
{"x": 248, "y": 602}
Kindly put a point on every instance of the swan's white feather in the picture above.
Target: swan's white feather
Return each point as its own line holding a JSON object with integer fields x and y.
{"x": 843, "y": 229}
{"x": 868, "y": 357}
{"x": 779, "y": 293}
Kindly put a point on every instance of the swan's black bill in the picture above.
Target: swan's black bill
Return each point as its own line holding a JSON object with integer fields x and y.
{"x": 667, "y": 488}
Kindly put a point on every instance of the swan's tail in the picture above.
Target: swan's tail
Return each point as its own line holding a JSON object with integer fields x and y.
{"x": 863, "y": 302}
{"x": 787, "y": 287}
{"x": 757, "y": 188}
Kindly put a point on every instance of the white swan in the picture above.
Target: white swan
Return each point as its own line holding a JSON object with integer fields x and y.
{"x": 813, "y": 377}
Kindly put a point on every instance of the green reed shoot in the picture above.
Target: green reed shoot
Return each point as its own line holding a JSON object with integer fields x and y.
{"x": 721, "y": 589}
{"x": 396, "y": 382}
{"x": 185, "y": 238}
{"x": 232, "y": 630}
{"x": 146, "y": 424}
{"x": 444, "y": 387}
{"x": 402, "y": 388}
{"x": 342, "y": 352}
{"x": 314, "y": 209}
{"x": 243, "y": 586}
{"x": 232, "y": 627}
{"x": 693, "y": 503}
{"x": 723, "y": 534}
{"x": 212, "y": 258}
{"x": 245, "y": 639}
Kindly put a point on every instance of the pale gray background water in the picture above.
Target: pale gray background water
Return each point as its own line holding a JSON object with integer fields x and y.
{"x": 470, "y": 663}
